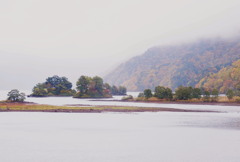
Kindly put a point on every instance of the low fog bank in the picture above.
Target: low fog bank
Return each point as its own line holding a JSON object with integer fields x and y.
{"x": 23, "y": 71}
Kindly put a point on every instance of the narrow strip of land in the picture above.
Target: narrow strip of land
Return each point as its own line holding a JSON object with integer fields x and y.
{"x": 30, "y": 107}
{"x": 178, "y": 102}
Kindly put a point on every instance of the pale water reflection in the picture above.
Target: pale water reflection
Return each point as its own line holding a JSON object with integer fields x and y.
{"x": 108, "y": 137}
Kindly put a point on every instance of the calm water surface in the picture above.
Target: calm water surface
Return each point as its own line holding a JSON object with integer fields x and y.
{"x": 120, "y": 137}
{"x": 108, "y": 137}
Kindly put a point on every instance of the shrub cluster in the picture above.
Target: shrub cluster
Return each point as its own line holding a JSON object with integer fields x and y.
{"x": 181, "y": 93}
{"x": 160, "y": 92}
{"x": 15, "y": 96}
{"x": 87, "y": 87}
{"x": 53, "y": 86}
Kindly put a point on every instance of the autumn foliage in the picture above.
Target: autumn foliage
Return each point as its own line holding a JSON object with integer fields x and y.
{"x": 227, "y": 78}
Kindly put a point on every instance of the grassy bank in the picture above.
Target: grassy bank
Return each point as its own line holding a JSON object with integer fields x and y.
{"x": 26, "y": 107}
{"x": 221, "y": 100}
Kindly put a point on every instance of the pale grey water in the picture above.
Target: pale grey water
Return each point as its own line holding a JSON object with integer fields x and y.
{"x": 120, "y": 137}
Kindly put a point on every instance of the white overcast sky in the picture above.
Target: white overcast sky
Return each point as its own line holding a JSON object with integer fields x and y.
{"x": 40, "y": 38}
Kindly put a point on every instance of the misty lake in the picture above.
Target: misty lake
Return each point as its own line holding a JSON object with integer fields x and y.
{"x": 108, "y": 137}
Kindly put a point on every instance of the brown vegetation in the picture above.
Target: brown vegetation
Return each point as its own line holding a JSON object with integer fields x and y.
{"x": 226, "y": 78}
{"x": 172, "y": 66}
{"x": 221, "y": 100}
{"x": 27, "y": 107}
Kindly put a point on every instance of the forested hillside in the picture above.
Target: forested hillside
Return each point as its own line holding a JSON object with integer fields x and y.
{"x": 226, "y": 78}
{"x": 172, "y": 66}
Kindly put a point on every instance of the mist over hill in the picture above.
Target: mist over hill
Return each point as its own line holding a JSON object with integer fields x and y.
{"x": 176, "y": 65}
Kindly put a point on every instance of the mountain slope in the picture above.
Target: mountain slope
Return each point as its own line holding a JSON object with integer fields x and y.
{"x": 172, "y": 66}
{"x": 226, "y": 78}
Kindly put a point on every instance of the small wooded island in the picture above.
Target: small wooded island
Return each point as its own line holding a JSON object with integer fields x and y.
{"x": 87, "y": 87}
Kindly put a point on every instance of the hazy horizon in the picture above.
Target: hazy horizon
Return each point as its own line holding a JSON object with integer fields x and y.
{"x": 73, "y": 38}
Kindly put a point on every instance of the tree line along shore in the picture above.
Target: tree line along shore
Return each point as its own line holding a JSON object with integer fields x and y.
{"x": 187, "y": 94}
{"x": 94, "y": 87}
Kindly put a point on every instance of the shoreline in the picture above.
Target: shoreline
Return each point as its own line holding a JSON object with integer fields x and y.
{"x": 30, "y": 107}
{"x": 179, "y": 102}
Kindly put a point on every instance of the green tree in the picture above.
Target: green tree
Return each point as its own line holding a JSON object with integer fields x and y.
{"x": 92, "y": 88}
{"x": 59, "y": 84}
{"x": 160, "y": 92}
{"x": 196, "y": 93}
{"x": 66, "y": 83}
{"x": 40, "y": 90}
{"x": 183, "y": 93}
{"x": 141, "y": 94}
{"x": 122, "y": 90}
{"x": 15, "y": 96}
{"x": 98, "y": 83}
{"x": 206, "y": 95}
{"x": 147, "y": 93}
{"x": 168, "y": 93}
{"x": 83, "y": 84}
{"x": 114, "y": 90}
{"x": 53, "y": 86}
{"x": 163, "y": 92}
{"x": 215, "y": 94}
{"x": 230, "y": 94}
{"x": 54, "y": 81}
